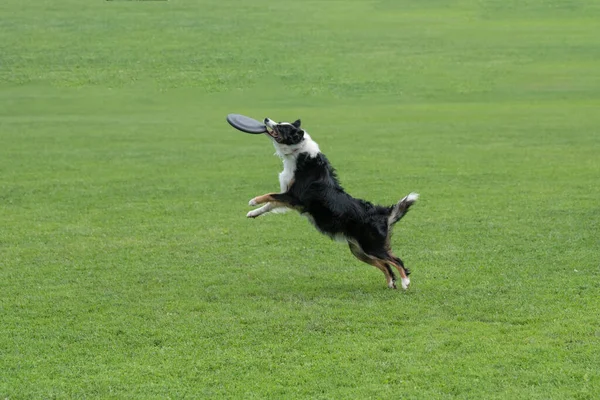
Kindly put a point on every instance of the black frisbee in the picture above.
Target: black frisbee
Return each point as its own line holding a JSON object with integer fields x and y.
{"x": 246, "y": 124}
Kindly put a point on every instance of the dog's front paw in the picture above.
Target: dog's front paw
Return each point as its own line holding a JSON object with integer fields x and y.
{"x": 252, "y": 214}
{"x": 252, "y": 202}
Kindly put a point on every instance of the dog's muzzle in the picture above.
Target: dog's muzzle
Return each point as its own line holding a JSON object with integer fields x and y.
{"x": 272, "y": 130}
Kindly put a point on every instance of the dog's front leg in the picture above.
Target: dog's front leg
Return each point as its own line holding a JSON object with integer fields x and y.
{"x": 273, "y": 200}
{"x": 260, "y": 211}
{"x": 282, "y": 200}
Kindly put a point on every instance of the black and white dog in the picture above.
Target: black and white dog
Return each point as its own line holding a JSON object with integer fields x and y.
{"x": 308, "y": 184}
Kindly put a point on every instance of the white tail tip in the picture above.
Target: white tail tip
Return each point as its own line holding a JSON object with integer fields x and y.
{"x": 412, "y": 197}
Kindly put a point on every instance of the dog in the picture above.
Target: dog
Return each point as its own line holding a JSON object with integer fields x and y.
{"x": 309, "y": 185}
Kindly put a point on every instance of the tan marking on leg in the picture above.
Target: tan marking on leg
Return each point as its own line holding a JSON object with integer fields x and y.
{"x": 265, "y": 198}
{"x": 275, "y": 199}
{"x": 398, "y": 266}
{"x": 358, "y": 253}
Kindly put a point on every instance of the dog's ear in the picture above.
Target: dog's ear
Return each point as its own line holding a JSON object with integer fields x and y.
{"x": 297, "y": 123}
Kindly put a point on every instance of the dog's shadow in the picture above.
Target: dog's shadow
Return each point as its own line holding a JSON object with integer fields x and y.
{"x": 305, "y": 289}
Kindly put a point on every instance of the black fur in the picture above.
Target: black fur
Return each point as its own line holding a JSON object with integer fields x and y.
{"x": 317, "y": 192}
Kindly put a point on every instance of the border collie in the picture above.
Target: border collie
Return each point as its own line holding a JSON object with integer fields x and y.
{"x": 308, "y": 184}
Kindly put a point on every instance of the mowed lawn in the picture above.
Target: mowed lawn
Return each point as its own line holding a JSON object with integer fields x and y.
{"x": 129, "y": 270}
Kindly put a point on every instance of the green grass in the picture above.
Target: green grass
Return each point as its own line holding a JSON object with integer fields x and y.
{"x": 128, "y": 268}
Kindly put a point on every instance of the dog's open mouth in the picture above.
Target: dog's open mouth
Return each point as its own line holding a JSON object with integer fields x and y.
{"x": 273, "y": 133}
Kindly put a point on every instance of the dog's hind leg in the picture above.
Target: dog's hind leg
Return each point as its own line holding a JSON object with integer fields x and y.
{"x": 404, "y": 272}
{"x": 384, "y": 267}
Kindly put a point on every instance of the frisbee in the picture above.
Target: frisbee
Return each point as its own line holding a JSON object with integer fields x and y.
{"x": 246, "y": 124}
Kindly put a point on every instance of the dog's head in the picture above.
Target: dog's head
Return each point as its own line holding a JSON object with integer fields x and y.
{"x": 284, "y": 132}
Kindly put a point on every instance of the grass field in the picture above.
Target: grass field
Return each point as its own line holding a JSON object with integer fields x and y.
{"x": 128, "y": 268}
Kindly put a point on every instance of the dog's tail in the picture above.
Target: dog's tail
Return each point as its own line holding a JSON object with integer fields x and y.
{"x": 401, "y": 208}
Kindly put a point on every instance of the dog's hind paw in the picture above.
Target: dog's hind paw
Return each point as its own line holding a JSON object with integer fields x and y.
{"x": 405, "y": 283}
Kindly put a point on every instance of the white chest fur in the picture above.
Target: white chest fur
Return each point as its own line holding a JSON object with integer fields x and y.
{"x": 289, "y": 154}
{"x": 287, "y": 175}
